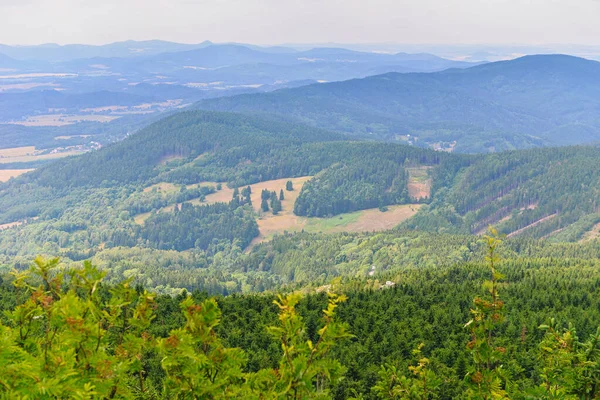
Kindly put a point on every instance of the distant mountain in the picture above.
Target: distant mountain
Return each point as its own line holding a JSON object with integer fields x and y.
{"x": 233, "y": 64}
{"x": 130, "y": 48}
{"x": 215, "y": 56}
{"x": 531, "y": 101}
{"x": 8, "y": 62}
{"x": 421, "y": 62}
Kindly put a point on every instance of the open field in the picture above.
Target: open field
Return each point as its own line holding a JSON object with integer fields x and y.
{"x": 28, "y": 158}
{"x": 226, "y": 193}
{"x": 372, "y": 220}
{"x": 419, "y": 183}
{"x": 62, "y": 119}
{"x": 6, "y": 174}
{"x": 17, "y": 151}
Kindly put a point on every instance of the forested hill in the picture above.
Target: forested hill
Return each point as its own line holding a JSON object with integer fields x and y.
{"x": 527, "y": 102}
{"x": 551, "y": 193}
{"x": 177, "y": 139}
{"x": 170, "y": 189}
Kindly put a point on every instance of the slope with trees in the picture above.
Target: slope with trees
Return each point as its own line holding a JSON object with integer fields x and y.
{"x": 528, "y": 102}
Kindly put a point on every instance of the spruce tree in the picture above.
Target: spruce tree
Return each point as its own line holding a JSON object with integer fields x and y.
{"x": 264, "y": 205}
{"x": 276, "y": 206}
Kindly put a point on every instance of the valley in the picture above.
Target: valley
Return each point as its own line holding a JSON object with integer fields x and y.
{"x": 208, "y": 220}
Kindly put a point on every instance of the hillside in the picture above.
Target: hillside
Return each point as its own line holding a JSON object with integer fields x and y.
{"x": 199, "y": 186}
{"x": 94, "y": 202}
{"x": 551, "y": 193}
{"x": 528, "y": 102}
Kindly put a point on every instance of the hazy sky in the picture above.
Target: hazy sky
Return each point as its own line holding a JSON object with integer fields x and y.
{"x": 301, "y": 21}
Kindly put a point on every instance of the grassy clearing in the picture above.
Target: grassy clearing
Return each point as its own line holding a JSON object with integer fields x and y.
{"x": 163, "y": 187}
{"x": 141, "y": 218}
{"x": 333, "y": 224}
{"x": 372, "y": 220}
{"x": 419, "y": 183}
{"x": 10, "y": 225}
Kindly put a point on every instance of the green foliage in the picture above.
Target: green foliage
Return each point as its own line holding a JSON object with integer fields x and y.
{"x": 421, "y": 384}
{"x": 73, "y": 339}
{"x": 72, "y": 343}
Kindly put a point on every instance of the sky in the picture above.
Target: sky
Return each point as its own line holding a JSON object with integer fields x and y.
{"x": 301, "y": 21}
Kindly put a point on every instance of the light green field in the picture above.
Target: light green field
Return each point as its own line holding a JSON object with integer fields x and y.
{"x": 332, "y": 224}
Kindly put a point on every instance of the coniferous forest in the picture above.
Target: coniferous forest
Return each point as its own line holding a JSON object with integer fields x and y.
{"x": 313, "y": 253}
{"x": 493, "y": 328}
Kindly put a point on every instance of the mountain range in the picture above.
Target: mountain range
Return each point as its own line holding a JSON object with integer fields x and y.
{"x": 527, "y": 102}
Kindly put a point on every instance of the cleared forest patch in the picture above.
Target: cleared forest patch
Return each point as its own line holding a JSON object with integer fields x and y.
{"x": 419, "y": 183}
{"x": 226, "y": 194}
{"x": 372, "y": 220}
{"x": 10, "y": 225}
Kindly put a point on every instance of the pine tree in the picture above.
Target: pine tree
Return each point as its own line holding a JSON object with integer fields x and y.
{"x": 289, "y": 186}
{"x": 281, "y": 196}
